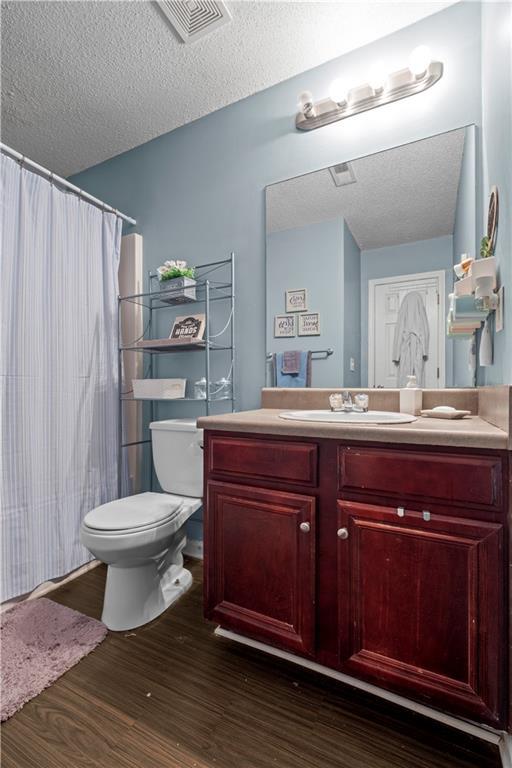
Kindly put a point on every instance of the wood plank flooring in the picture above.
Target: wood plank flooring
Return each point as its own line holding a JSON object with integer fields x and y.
{"x": 172, "y": 695}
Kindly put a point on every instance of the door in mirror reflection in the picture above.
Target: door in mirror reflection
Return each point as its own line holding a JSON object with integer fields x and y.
{"x": 360, "y": 237}
{"x": 393, "y": 338}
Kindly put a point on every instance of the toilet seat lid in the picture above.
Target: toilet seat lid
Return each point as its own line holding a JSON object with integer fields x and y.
{"x": 144, "y": 510}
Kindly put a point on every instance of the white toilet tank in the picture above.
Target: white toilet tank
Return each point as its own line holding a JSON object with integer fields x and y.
{"x": 178, "y": 456}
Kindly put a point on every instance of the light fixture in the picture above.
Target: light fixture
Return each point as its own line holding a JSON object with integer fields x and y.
{"x": 306, "y": 104}
{"x": 419, "y": 60}
{"x": 338, "y": 92}
{"x": 380, "y": 89}
{"x": 378, "y": 78}
{"x": 360, "y": 93}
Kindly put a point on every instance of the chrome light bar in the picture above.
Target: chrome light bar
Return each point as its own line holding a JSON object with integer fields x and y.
{"x": 398, "y": 85}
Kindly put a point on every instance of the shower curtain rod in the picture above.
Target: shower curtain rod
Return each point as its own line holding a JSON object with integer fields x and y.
{"x": 62, "y": 182}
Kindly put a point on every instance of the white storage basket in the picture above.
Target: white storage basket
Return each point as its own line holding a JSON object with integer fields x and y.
{"x": 158, "y": 389}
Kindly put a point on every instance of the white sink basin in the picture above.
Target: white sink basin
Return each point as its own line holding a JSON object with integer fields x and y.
{"x": 350, "y": 417}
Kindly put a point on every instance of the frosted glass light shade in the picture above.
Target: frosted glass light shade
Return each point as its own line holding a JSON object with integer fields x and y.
{"x": 419, "y": 60}
{"x": 338, "y": 91}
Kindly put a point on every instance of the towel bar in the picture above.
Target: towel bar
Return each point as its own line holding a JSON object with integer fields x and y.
{"x": 323, "y": 352}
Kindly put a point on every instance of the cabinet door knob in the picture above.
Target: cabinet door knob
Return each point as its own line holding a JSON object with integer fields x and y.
{"x": 342, "y": 533}
{"x": 305, "y": 527}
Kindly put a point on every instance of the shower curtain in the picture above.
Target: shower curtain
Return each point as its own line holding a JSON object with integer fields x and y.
{"x": 58, "y": 374}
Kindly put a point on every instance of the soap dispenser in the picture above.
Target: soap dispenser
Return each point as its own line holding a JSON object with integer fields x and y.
{"x": 411, "y": 397}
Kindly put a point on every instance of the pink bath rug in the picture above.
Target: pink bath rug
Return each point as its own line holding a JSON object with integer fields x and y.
{"x": 39, "y": 641}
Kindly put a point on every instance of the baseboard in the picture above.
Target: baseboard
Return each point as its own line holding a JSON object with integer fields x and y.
{"x": 501, "y": 739}
{"x": 194, "y": 548}
{"x": 506, "y": 751}
{"x": 50, "y": 586}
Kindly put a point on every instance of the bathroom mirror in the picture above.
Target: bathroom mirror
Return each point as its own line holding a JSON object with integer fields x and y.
{"x": 363, "y": 249}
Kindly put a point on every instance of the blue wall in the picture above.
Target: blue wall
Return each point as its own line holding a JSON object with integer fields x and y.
{"x": 351, "y": 309}
{"x": 497, "y": 162}
{"x": 406, "y": 259}
{"x": 198, "y": 192}
{"x": 309, "y": 257}
{"x": 325, "y": 259}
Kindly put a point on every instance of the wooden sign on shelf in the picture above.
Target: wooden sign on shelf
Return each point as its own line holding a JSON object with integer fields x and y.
{"x": 188, "y": 328}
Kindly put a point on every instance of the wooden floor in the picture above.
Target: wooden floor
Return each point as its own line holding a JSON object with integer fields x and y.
{"x": 172, "y": 695}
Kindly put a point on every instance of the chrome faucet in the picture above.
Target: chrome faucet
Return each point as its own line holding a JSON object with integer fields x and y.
{"x": 342, "y": 401}
{"x": 346, "y": 399}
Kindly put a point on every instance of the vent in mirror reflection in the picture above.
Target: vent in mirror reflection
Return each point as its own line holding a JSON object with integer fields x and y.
{"x": 342, "y": 174}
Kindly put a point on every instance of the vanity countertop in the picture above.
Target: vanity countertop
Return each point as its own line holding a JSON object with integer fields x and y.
{"x": 470, "y": 432}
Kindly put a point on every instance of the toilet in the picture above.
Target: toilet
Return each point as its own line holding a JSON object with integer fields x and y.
{"x": 141, "y": 537}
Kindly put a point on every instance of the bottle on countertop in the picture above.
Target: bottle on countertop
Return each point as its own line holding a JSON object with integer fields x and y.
{"x": 411, "y": 397}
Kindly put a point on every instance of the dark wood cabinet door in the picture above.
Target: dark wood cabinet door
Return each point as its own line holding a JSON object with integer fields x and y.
{"x": 260, "y": 567}
{"x": 422, "y": 605}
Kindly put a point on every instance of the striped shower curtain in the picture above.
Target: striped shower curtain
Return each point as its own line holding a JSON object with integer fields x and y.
{"x": 58, "y": 374}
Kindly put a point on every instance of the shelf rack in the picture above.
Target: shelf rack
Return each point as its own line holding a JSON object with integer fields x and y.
{"x": 208, "y": 290}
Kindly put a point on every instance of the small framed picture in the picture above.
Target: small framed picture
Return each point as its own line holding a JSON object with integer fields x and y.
{"x": 188, "y": 328}
{"x": 284, "y": 326}
{"x": 297, "y": 300}
{"x": 309, "y": 325}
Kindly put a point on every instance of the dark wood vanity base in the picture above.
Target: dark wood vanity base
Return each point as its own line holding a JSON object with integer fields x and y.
{"x": 386, "y": 564}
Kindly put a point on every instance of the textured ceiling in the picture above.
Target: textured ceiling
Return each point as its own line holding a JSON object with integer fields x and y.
{"x": 84, "y": 81}
{"x": 400, "y": 196}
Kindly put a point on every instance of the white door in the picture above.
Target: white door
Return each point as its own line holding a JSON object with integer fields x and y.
{"x": 385, "y": 298}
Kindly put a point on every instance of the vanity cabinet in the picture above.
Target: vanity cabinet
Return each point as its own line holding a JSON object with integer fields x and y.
{"x": 386, "y": 564}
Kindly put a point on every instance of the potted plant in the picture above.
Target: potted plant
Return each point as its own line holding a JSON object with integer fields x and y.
{"x": 486, "y": 249}
{"x": 177, "y": 281}
{"x": 485, "y": 266}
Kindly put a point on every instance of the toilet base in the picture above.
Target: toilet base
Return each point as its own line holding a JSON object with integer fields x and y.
{"x": 137, "y": 594}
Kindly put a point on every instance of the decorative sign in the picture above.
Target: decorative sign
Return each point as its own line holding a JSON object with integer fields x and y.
{"x": 284, "y": 326}
{"x": 309, "y": 325}
{"x": 188, "y": 328}
{"x": 297, "y": 300}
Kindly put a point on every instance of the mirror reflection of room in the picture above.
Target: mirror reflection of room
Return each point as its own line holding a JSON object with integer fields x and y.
{"x": 368, "y": 246}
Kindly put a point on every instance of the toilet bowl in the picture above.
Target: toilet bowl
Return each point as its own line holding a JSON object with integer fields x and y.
{"x": 141, "y": 537}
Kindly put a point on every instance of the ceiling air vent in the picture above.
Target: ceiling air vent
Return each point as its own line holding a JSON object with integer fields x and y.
{"x": 193, "y": 19}
{"x": 342, "y": 174}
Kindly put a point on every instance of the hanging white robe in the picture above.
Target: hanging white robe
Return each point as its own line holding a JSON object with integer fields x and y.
{"x": 410, "y": 345}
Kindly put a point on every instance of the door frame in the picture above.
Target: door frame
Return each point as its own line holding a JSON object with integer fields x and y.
{"x": 440, "y": 276}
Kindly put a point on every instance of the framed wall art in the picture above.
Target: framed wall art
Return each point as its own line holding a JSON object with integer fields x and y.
{"x": 284, "y": 326}
{"x": 309, "y": 324}
{"x": 297, "y": 300}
